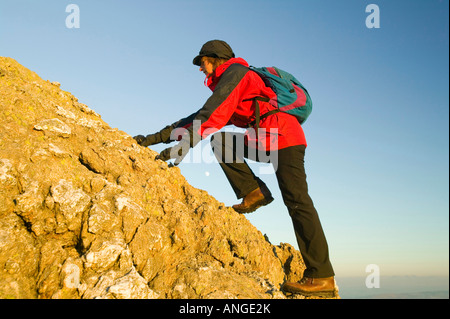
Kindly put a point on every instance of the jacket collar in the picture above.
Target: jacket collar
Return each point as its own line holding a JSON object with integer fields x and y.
{"x": 213, "y": 79}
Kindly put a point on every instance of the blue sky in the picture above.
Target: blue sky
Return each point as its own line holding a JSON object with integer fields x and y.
{"x": 377, "y": 156}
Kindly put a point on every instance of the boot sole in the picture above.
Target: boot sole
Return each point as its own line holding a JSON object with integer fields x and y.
{"x": 323, "y": 294}
{"x": 259, "y": 204}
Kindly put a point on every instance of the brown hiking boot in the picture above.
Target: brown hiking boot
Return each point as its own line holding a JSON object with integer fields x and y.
{"x": 254, "y": 200}
{"x": 324, "y": 287}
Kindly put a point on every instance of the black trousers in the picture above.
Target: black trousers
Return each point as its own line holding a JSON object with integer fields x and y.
{"x": 288, "y": 163}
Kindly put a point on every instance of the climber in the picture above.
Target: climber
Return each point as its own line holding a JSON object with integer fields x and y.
{"x": 234, "y": 88}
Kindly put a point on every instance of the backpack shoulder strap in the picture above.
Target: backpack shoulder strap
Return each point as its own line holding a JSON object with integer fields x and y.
{"x": 258, "y": 116}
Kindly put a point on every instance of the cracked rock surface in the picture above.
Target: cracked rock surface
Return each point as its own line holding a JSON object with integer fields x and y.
{"x": 85, "y": 212}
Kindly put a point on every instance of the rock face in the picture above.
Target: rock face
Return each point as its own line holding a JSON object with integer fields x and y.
{"x": 85, "y": 212}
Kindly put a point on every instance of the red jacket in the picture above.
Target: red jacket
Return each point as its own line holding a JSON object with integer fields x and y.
{"x": 233, "y": 86}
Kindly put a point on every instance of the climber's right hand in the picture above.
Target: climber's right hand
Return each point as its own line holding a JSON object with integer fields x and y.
{"x": 164, "y": 155}
{"x": 148, "y": 140}
{"x": 177, "y": 152}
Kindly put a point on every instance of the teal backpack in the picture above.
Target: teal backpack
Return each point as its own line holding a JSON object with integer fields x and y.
{"x": 292, "y": 97}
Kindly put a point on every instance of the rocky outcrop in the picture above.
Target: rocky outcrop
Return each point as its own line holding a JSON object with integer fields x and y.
{"x": 85, "y": 212}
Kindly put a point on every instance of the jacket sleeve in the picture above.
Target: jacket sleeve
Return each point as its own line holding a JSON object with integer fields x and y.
{"x": 174, "y": 132}
{"x": 219, "y": 108}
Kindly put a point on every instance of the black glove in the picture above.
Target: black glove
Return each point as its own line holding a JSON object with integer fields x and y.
{"x": 148, "y": 140}
{"x": 139, "y": 139}
{"x": 178, "y": 152}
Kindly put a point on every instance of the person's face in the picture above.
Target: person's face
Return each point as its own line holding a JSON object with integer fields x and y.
{"x": 206, "y": 67}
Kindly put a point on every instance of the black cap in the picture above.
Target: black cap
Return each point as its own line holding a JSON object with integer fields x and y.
{"x": 214, "y": 49}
